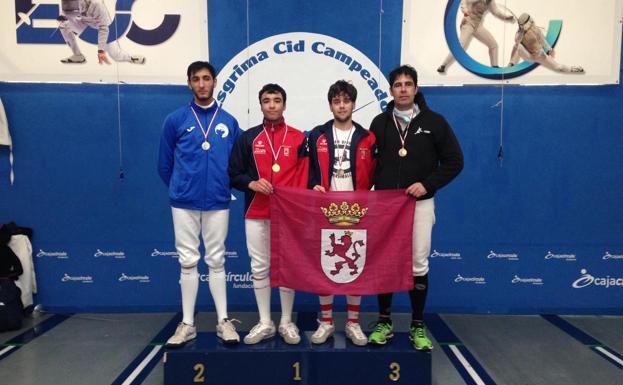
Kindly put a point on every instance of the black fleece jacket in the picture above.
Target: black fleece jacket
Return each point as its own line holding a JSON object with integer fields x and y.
{"x": 433, "y": 158}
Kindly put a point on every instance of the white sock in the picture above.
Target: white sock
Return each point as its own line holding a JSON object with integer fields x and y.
{"x": 261, "y": 287}
{"x": 287, "y": 303}
{"x": 218, "y": 289}
{"x": 189, "y": 283}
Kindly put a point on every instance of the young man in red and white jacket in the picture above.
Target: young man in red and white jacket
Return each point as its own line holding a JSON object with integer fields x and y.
{"x": 270, "y": 154}
{"x": 342, "y": 158}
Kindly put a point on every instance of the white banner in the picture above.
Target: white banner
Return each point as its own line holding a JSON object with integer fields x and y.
{"x": 479, "y": 34}
{"x": 157, "y": 39}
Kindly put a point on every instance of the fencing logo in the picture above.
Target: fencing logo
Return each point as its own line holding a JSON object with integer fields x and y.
{"x": 221, "y": 130}
{"x": 36, "y": 23}
{"x": 587, "y": 280}
{"x": 479, "y": 69}
{"x": 564, "y": 257}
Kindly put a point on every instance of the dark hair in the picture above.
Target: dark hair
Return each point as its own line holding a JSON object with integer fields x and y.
{"x": 199, "y": 65}
{"x": 272, "y": 88}
{"x": 403, "y": 70}
{"x": 342, "y": 87}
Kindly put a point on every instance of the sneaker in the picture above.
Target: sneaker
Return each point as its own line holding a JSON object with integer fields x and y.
{"x": 441, "y": 69}
{"x": 260, "y": 332}
{"x": 383, "y": 331}
{"x": 290, "y": 333}
{"x": 226, "y": 331}
{"x": 417, "y": 335}
{"x": 577, "y": 69}
{"x": 137, "y": 59}
{"x": 355, "y": 334}
{"x": 322, "y": 334}
{"x": 74, "y": 59}
{"x": 183, "y": 334}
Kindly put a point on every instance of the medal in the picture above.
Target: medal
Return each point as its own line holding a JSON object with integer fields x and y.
{"x": 276, "y": 167}
{"x": 341, "y": 155}
{"x": 205, "y": 145}
{"x": 402, "y": 152}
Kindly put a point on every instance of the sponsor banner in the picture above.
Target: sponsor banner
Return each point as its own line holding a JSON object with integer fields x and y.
{"x": 235, "y": 280}
{"x": 611, "y": 256}
{"x": 583, "y": 35}
{"x": 134, "y": 278}
{"x": 115, "y": 254}
{"x": 344, "y": 249}
{"x": 560, "y": 257}
{"x": 147, "y": 41}
{"x": 52, "y": 253}
{"x": 605, "y": 282}
{"x": 503, "y": 256}
{"x": 77, "y": 278}
{"x": 528, "y": 281}
{"x": 446, "y": 255}
{"x": 470, "y": 280}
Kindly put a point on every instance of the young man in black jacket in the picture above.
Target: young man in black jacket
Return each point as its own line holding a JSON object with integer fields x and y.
{"x": 418, "y": 152}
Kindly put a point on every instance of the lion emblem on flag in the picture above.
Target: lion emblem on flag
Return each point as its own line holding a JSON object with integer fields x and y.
{"x": 343, "y": 254}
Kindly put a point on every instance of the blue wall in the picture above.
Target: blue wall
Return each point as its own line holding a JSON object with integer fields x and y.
{"x": 556, "y": 190}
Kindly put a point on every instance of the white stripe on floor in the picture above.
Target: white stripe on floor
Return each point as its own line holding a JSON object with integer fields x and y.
{"x": 142, "y": 365}
{"x": 466, "y": 365}
{"x": 6, "y": 350}
{"x": 603, "y": 351}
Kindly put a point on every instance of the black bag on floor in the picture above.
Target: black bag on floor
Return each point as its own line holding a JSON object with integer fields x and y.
{"x": 11, "y": 307}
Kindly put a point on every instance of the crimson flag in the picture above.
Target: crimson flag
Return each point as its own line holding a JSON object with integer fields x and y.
{"x": 355, "y": 242}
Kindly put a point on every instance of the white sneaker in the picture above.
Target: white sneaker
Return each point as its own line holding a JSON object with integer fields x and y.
{"x": 74, "y": 59}
{"x": 577, "y": 69}
{"x": 290, "y": 333}
{"x": 183, "y": 334}
{"x": 355, "y": 334}
{"x": 137, "y": 59}
{"x": 226, "y": 331}
{"x": 322, "y": 334}
{"x": 259, "y": 333}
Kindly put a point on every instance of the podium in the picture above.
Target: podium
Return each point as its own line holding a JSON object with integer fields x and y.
{"x": 208, "y": 361}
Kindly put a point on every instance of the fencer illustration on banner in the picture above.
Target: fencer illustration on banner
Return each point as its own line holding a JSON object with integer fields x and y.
{"x": 517, "y": 41}
{"x": 68, "y": 40}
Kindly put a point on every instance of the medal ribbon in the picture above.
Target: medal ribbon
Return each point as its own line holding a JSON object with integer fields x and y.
{"x": 205, "y": 133}
{"x": 270, "y": 144}
{"x": 403, "y": 138}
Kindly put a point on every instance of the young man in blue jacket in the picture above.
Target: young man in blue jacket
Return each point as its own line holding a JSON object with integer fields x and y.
{"x": 196, "y": 142}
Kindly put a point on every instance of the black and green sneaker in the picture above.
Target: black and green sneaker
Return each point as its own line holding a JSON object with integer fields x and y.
{"x": 417, "y": 335}
{"x": 383, "y": 332}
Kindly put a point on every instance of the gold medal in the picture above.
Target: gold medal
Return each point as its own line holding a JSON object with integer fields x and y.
{"x": 340, "y": 173}
{"x": 205, "y": 146}
{"x": 276, "y": 167}
{"x": 402, "y": 152}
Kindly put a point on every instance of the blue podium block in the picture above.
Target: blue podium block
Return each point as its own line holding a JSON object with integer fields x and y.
{"x": 207, "y": 361}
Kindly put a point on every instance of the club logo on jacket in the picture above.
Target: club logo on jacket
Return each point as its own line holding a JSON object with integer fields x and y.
{"x": 221, "y": 130}
{"x": 259, "y": 147}
{"x": 323, "y": 145}
{"x": 420, "y": 131}
{"x": 362, "y": 153}
{"x": 286, "y": 150}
